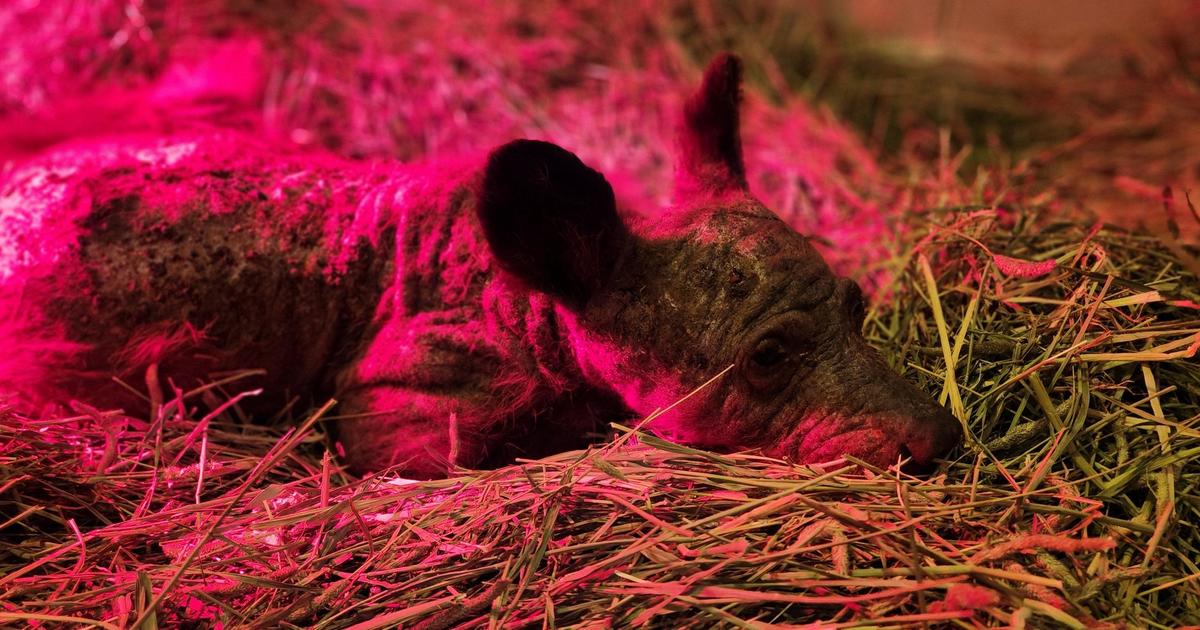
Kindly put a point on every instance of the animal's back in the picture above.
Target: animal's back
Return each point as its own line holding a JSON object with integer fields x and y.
{"x": 216, "y": 252}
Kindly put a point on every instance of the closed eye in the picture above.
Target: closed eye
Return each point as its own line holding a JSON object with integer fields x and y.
{"x": 775, "y": 359}
{"x": 769, "y": 352}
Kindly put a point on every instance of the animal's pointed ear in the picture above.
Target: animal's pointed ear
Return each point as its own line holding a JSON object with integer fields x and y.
{"x": 710, "y": 141}
{"x": 550, "y": 220}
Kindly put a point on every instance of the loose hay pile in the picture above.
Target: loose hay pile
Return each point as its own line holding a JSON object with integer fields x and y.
{"x": 1075, "y": 504}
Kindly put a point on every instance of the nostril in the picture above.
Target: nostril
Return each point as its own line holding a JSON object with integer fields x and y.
{"x": 919, "y": 451}
{"x": 948, "y": 436}
{"x": 916, "y": 464}
{"x": 934, "y": 440}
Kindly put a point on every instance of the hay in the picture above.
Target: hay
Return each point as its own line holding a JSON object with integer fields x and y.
{"x": 1070, "y": 354}
{"x": 1073, "y": 505}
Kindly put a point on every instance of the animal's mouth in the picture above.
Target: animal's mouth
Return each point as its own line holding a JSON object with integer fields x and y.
{"x": 872, "y": 445}
{"x": 880, "y": 441}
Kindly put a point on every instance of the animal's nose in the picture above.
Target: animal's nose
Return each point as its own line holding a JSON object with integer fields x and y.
{"x": 932, "y": 436}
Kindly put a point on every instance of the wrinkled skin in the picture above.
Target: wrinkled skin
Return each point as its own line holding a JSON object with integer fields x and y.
{"x": 462, "y": 314}
{"x": 739, "y": 288}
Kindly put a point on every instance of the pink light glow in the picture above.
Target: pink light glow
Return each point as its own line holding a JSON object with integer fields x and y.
{"x": 238, "y": 125}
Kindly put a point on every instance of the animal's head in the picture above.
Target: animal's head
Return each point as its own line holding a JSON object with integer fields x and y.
{"x": 717, "y": 281}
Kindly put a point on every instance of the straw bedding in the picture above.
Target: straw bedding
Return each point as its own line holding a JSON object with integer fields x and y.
{"x": 1068, "y": 350}
{"x": 1072, "y": 505}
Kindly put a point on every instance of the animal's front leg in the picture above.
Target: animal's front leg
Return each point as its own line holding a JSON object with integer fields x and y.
{"x": 426, "y": 435}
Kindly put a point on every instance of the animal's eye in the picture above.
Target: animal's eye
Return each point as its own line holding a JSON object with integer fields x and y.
{"x": 769, "y": 352}
{"x": 771, "y": 362}
{"x": 779, "y": 355}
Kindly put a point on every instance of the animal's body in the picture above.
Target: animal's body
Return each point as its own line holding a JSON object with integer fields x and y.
{"x": 463, "y": 313}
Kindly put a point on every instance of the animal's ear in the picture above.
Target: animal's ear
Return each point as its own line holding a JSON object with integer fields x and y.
{"x": 550, "y": 220}
{"x": 710, "y": 141}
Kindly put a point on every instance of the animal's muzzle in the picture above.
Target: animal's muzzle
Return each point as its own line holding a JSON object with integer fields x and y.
{"x": 931, "y": 436}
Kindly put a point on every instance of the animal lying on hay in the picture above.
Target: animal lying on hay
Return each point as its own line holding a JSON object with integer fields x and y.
{"x": 462, "y": 313}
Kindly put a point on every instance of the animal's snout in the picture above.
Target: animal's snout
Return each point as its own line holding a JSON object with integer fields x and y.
{"x": 931, "y": 436}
